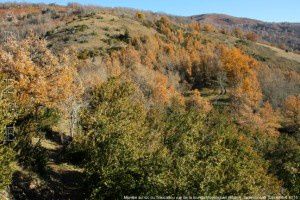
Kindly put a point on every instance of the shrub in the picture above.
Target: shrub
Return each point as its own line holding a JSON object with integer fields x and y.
{"x": 113, "y": 127}
{"x": 7, "y": 156}
{"x": 251, "y": 36}
{"x": 31, "y": 156}
{"x": 286, "y": 163}
{"x": 7, "y": 116}
{"x": 172, "y": 151}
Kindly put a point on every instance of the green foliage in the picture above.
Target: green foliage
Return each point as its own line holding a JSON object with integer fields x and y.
{"x": 7, "y": 156}
{"x": 7, "y": 116}
{"x": 162, "y": 145}
{"x": 31, "y": 156}
{"x": 242, "y": 42}
{"x": 76, "y": 29}
{"x": 172, "y": 151}
{"x": 125, "y": 37}
{"x": 286, "y": 163}
{"x": 113, "y": 127}
{"x": 7, "y": 103}
{"x": 208, "y": 158}
{"x": 30, "y": 153}
{"x": 85, "y": 54}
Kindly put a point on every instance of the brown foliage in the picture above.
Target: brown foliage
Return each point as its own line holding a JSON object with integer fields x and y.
{"x": 209, "y": 28}
{"x": 198, "y": 102}
{"x": 41, "y": 78}
{"x": 291, "y": 111}
{"x": 251, "y": 36}
{"x": 140, "y": 16}
{"x": 237, "y": 32}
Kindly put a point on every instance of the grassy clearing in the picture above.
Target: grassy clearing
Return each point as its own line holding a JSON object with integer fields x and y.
{"x": 282, "y": 53}
{"x": 47, "y": 144}
{"x": 97, "y": 31}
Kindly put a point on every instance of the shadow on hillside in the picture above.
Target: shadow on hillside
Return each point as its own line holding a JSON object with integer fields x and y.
{"x": 53, "y": 136}
{"x": 55, "y": 182}
{"x": 63, "y": 186}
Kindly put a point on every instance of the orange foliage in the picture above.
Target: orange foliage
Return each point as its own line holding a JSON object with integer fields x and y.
{"x": 237, "y": 32}
{"x": 40, "y": 77}
{"x": 270, "y": 120}
{"x": 180, "y": 36}
{"x": 209, "y": 28}
{"x": 20, "y": 10}
{"x": 248, "y": 91}
{"x": 224, "y": 31}
{"x": 195, "y": 26}
{"x": 251, "y": 36}
{"x": 140, "y": 15}
{"x": 291, "y": 110}
{"x": 237, "y": 64}
{"x": 198, "y": 102}
{"x": 160, "y": 90}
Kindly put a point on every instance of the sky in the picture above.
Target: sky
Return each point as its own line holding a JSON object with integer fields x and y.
{"x": 266, "y": 10}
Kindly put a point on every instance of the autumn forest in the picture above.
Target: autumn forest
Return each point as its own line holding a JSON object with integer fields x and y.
{"x": 108, "y": 103}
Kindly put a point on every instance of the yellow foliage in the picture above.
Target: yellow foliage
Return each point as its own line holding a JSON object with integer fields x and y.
{"x": 237, "y": 64}
{"x": 195, "y": 26}
{"x": 209, "y": 28}
{"x": 40, "y": 77}
{"x": 270, "y": 120}
{"x": 291, "y": 110}
{"x": 140, "y": 15}
{"x": 198, "y": 102}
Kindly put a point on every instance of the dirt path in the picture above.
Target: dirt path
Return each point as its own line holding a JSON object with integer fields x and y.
{"x": 60, "y": 181}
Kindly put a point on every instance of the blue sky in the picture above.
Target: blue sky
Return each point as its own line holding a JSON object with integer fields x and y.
{"x": 267, "y": 10}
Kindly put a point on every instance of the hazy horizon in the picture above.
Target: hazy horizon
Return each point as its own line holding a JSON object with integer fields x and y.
{"x": 256, "y": 9}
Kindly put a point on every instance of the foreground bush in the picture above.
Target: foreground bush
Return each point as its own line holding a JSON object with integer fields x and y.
{"x": 170, "y": 151}
{"x": 286, "y": 163}
{"x": 7, "y": 116}
{"x": 6, "y": 158}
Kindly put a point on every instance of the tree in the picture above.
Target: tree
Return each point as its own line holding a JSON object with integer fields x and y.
{"x": 195, "y": 26}
{"x": 237, "y": 65}
{"x": 291, "y": 113}
{"x": 237, "y": 32}
{"x": 208, "y": 28}
{"x": 199, "y": 103}
{"x": 7, "y": 156}
{"x": 285, "y": 160}
{"x": 40, "y": 77}
{"x": 140, "y": 16}
{"x": 270, "y": 122}
{"x": 207, "y": 157}
{"x": 251, "y": 36}
{"x": 175, "y": 150}
{"x": 8, "y": 113}
{"x": 241, "y": 75}
{"x": 113, "y": 125}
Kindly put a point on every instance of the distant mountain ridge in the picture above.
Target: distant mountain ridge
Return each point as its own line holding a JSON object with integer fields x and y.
{"x": 282, "y": 34}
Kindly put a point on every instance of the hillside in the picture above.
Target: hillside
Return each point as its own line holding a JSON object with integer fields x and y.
{"x": 286, "y": 35}
{"x": 103, "y": 103}
{"x": 98, "y": 34}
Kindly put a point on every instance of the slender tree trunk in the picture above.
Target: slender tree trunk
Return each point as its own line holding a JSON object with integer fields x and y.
{"x": 71, "y": 123}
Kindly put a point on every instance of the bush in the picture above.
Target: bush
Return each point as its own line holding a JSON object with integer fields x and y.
{"x": 124, "y": 37}
{"x": 33, "y": 157}
{"x": 286, "y": 163}
{"x": 7, "y": 156}
{"x": 85, "y": 54}
{"x": 174, "y": 151}
{"x": 7, "y": 117}
{"x": 115, "y": 152}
